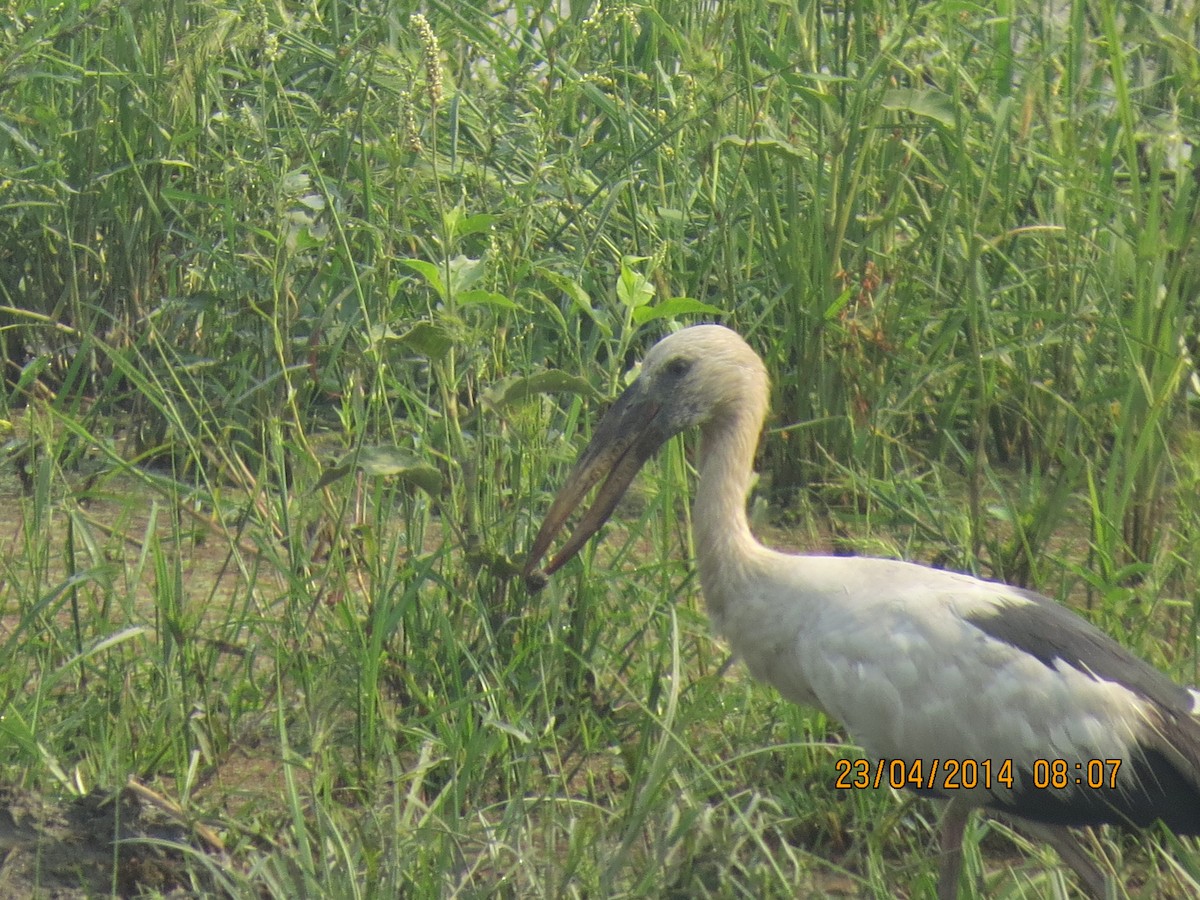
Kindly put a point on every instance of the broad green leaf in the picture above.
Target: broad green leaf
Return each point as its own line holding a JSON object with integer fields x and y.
{"x": 676, "y": 306}
{"x": 430, "y": 272}
{"x": 520, "y": 388}
{"x": 465, "y": 273}
{"x": 459, "y": 225}
{"x": 928, "y": 103}
{"x": 633, "y": 288}
{"x": 334, "y": 473}
{"x": 427, "y": 338}
{"x": 392, "y": 461}
{"x": 770, "y": 145}
{"x": 487, "y": 298}
{"x": 577, "y": 295}
{"x": 380, "y": 461}
{"x": 495, "y": 563}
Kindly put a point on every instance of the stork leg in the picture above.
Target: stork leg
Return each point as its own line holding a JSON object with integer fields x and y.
{"x": 950, "y": 858}
{"x": 1067, "y": 846}
{"x": 954, "y": 823}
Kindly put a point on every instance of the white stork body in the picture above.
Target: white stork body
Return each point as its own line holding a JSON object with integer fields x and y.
{"x": 902, "y": 665}
{"x": 917, "y": 663}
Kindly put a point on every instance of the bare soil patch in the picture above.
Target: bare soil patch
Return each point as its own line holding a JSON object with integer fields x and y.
{"x": 96, "y": 845}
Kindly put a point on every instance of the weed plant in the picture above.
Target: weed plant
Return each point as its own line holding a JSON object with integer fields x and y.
{"x": 305, "y": 309}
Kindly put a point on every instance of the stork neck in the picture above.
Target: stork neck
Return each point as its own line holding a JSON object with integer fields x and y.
{"x": 725, "y": 546}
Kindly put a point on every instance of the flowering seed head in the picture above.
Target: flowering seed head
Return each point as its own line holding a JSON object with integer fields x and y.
{"x": 431, "y": 56}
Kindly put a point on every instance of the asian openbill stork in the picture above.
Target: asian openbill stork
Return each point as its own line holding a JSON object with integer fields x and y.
{"x": 917, "y": 663}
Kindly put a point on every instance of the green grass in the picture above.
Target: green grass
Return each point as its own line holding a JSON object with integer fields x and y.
{"x": 306, "y": 310}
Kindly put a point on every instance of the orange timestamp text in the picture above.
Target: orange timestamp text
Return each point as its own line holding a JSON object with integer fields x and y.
{"x": 924, "y": 774}
{"x": 969, "y": 774}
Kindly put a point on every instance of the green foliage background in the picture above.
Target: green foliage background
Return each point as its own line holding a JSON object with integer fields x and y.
{"x": 335, "y": 290}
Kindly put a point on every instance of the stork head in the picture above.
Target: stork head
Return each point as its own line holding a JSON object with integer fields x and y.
{"x": 696, "y": 377}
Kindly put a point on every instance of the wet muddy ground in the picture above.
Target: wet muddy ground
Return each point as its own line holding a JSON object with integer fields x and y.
{"x": 96, "y": 845}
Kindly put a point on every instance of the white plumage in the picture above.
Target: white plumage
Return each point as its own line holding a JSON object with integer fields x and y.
{"x": 918, "y": 663}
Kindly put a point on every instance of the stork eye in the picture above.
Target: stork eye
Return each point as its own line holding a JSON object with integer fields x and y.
{"x": 678, "y": 367}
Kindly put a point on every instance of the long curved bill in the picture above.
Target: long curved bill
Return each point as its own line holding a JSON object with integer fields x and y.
{"x": 626, "y": 437}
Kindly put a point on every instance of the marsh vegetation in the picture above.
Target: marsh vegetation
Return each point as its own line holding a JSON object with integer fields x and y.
{"x": 304, "y": 310}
